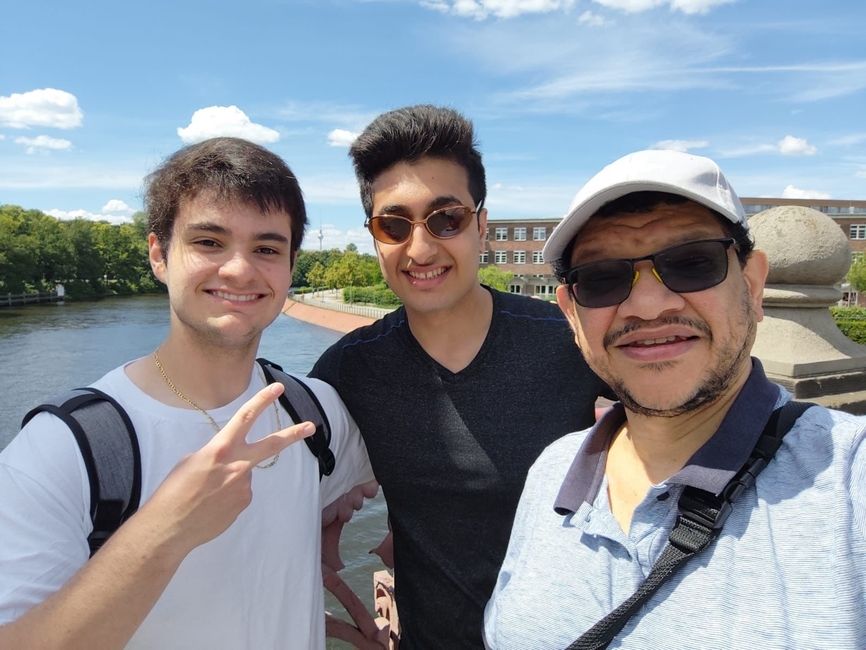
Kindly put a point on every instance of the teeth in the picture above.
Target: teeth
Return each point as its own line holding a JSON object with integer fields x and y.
{"x": 245, "y": 297}
{"x": 667, "y": 339}
{"x": 428, "y": 275}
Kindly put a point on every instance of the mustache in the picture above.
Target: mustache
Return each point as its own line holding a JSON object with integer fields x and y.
{"x": 612, "y": 337}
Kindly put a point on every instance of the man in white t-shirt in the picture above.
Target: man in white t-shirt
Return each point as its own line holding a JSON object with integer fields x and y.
{"x": 224, "y": 551}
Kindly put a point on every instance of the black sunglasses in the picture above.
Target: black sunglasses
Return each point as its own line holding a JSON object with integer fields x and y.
{"x": 442, "y": 224}
{"x": 690, "y": 267}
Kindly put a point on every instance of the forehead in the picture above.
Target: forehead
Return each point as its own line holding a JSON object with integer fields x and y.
{"x": 207, "y": 208}
{"x": 421, "y": 181}
{"x": 632, "y": 234}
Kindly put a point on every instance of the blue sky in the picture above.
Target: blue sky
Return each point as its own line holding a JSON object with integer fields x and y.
{"x": 94, "y": 94}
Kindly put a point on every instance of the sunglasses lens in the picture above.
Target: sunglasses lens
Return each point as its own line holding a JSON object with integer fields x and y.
{"x": 601, "y": 284}
{"x": 690, "y": 267}
{"x": 390, "y": 230}
{"x": 448, "y": 222}
{"x": 693, "y": 267}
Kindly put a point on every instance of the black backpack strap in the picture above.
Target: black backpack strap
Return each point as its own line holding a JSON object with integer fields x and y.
{"x": 701, "y": 517}
{"x": 302, "y": 405}
{"x": 108, "y": 444}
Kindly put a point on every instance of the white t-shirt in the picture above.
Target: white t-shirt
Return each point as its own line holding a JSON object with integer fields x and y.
{"x": 258, "y": 585}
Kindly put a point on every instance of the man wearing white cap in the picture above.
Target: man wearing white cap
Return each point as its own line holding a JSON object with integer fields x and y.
{"x": 705, "y": 510}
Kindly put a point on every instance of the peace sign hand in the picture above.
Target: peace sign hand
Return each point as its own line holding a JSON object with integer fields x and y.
{"x": 206, "y": 491}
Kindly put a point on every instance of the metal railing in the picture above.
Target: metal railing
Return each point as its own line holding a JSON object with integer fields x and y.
{"x": 335, "y": 303}
{"x": 14, "y": 299}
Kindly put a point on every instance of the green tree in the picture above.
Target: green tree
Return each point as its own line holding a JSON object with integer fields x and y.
{"x": 316, "y": 275}
{"x": 353, "y": 270}
{"x": 494, "y": 277}
{"x": 857, "y": 274}
{"x": 305, "y": 260}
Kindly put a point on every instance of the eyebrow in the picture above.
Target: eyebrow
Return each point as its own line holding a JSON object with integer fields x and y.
{"x": 209, "y": 226}
{"x": 435, "y": 204}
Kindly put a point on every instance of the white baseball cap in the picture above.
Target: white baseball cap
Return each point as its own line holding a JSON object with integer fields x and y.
{"x": 694, "y": 177}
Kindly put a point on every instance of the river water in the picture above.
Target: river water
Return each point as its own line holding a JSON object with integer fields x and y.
{"x": 46, "y": 349}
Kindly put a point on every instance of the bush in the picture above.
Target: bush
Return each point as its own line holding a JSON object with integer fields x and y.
{"x": 379, "y": 295}
{"x": 852, "y": 322}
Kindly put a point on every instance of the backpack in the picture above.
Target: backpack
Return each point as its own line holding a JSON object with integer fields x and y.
{"x": 113, "y": 461}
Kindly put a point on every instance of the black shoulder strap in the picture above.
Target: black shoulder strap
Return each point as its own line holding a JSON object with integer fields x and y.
{"x": 701, "y": 517}
{"x": 109, "y": 447}
{"x": 302, "y": 405}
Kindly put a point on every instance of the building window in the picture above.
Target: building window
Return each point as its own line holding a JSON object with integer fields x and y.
{"x": 484, "y": 257}
{"x": 520, "y": 257}
{"x": 519, "y": 235}
{"x": 502, "y": 234}
{"x": 515, "y": 288}
{"x": 537, "y": 258}
{"x": 544, "y": 290}
{"x": 857, "y": 231}
{"x": 539, "y": 233}
{"x": 501, "y": 257}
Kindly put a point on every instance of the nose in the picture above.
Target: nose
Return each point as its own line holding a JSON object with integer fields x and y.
{"x": 421, "y": 245}
{"x": 649, "y": 297}
{"x": 237, "y": 266}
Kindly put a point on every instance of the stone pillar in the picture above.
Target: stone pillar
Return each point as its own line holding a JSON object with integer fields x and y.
{"x": 798, "y": 341}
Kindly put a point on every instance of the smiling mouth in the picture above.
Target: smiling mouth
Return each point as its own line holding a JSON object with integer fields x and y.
{"x": 646, "y": 343}
{"x": 427, "y": 275}
{"x": 236, "y": 297}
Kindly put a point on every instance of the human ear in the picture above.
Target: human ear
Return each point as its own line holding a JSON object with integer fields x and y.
{"x": 566, "y": 304}
{"x": 482, "y": 229}
{"x": 156, "y": 255}
{"x": 755, "y": 276}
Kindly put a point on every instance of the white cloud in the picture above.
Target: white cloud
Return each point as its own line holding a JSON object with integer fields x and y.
{"x": 334, "y": 237}
{"x": 592, "y": 19}
{"x": 481, "y": 9}
{"x": 215, "y": 121}
{"x": 341, "y": 138}
{"x": 791, "y": 192}
{"x": 116, "y": 205}
{"x": 2, "y": 137}
{"x": 47, "y": 107}
{"x": 849, "y": 140}
{"x": 697, "y": 6}
{"x": 589, "y": 74}
{"x": 685, "y": 6}
{"x": 791, "y": 146}
{"x": 681, "y": 145}
{"x": 67, "y": 215}
{"x": 787, "y": 146}
{"x": 43, "y": 143}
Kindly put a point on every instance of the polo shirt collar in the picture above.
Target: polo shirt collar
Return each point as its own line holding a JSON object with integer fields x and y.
{"x": 710, "y": 467}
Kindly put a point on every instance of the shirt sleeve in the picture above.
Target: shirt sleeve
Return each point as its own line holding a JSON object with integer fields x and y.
{"x": 44, "y": 515}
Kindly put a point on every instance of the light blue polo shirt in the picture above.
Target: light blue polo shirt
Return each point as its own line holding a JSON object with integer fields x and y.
{"x": 788, "y": 570}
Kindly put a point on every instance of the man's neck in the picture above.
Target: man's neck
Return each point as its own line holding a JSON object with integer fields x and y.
{"x": 453, "y": 337}
{"x": 648, "y": 450}
{"x": 209, "y": 376}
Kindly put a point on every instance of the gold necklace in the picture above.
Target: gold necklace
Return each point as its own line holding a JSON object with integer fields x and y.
{"x": 215, "y": 426}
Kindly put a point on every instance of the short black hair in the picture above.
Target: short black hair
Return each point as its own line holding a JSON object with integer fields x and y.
{"x": 231, "y": 169}
{"x": 409, "y": 134}
{"x": 641, "y": 202}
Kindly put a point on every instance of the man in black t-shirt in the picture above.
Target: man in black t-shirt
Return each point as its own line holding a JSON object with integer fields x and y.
{"x": 457, "y": 392}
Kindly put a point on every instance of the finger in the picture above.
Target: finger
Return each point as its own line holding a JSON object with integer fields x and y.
{"x": 239, "y": 426}
{"x": 274, "y": 443}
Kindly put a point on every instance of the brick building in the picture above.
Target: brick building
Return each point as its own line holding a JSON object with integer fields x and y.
{"x": 514, "y": 245}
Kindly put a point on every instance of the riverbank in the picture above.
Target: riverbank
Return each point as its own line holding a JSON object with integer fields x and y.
{"x": 324, "y": 317}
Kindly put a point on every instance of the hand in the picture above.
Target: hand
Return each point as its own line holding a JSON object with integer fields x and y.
{"x": 207, "y": 490}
